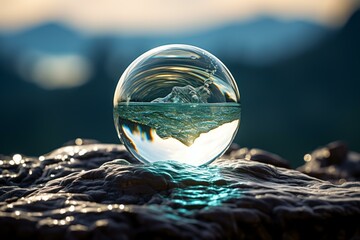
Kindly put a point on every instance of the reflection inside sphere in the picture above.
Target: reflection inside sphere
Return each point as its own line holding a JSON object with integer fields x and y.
{"x": 177, "y": 102}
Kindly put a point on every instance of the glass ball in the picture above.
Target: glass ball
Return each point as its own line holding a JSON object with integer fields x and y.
{"x": 177, "y": 102}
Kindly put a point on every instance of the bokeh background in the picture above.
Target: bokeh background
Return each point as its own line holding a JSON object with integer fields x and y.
{"x": 297, "y": 65}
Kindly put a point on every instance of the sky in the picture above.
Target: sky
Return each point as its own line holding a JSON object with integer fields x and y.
{"x": 164, "y": 16}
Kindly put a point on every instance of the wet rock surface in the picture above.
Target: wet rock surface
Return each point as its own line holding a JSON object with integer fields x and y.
{"x": 98, "y": 191}
{"x": 333, "y": 162}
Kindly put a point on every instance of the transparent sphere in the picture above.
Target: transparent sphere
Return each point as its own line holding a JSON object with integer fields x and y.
{"x": 177, "y": 102}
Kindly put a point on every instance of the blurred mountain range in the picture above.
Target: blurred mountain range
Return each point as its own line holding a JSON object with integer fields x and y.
{"x": 298, "y": 81}
{"x": 258, "y": 40}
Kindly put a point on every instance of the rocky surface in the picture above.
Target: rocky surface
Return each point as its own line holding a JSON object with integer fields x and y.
{"x": 334, "y": 163}
{"x": 98, "y": 191}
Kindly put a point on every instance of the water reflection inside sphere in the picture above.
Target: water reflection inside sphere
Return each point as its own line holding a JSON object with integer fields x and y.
{"x": 177, "y": 102}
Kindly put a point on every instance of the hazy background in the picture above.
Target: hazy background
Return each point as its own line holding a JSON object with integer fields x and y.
{"x": 297, "y": 65}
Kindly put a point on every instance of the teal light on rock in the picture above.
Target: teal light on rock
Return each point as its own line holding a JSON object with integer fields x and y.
{"x": 179, "y": 103}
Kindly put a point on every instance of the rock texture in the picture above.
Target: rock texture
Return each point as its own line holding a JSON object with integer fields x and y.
{"x": 98, "y": 191}
{"x": 334, "y": 163}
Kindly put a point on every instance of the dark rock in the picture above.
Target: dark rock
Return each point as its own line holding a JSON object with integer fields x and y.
{"x": 233, "y": 147}
{"x": 334, "y": 163}
{"x": 98, "y": 191}
{"x": 256, "y": 155}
